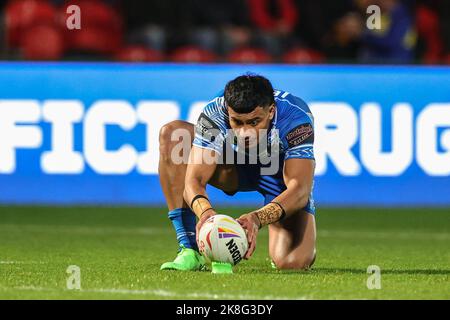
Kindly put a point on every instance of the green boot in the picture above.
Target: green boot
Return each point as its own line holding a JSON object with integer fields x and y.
{"x": 186, "y": 260}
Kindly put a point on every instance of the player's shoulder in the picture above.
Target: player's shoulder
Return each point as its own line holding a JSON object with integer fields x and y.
{"x": 216, "y": 105}
{"x": 215, "y": 112}
{"x": 291, "y": 110}
{"x": 294, "y": 121}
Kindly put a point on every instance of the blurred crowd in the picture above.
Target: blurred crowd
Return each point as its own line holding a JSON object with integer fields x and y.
{"x": 245, "y": 31}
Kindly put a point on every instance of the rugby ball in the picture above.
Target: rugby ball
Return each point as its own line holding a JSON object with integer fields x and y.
{"x": 222, "y": 239}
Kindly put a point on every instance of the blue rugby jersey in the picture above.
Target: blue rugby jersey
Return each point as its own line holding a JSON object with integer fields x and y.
{"x": 292, "y": 126}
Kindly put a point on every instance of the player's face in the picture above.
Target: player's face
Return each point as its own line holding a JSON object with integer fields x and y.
{"x": 247, "y": 126}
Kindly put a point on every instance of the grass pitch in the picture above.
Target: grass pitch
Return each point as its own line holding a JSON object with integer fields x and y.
{"x": 119, "y": 251}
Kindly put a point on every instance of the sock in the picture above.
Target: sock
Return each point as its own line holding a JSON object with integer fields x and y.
{"x": 184, "y": 222}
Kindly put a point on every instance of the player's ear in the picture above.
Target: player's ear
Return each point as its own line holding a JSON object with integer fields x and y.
{"x": 271, "y": 111}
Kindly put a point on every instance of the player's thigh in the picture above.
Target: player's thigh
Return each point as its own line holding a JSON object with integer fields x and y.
{"x": 292, "y": 241}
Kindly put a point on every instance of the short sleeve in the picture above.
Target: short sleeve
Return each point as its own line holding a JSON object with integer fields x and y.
{"x": 209, "y": 131}
{"x": 299, "y": 139}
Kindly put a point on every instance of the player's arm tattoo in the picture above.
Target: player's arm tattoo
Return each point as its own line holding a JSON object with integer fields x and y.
{"x": 200, "y": 204}
{"x": 270, "y": 213}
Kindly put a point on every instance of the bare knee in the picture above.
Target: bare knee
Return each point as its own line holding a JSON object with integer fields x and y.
{"x": 295, "y": 262}
{"x": 166, "y": 139}
{"x": 165, "y": 133}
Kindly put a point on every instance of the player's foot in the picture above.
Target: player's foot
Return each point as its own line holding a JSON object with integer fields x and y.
{"x": 186, "y": 260}
{"x": 223, "y": 268}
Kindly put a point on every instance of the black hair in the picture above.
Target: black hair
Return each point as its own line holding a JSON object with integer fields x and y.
{"x": 247, "y": 92}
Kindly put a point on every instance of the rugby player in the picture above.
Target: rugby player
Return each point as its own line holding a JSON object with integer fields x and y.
{"x": 255, "y": 114}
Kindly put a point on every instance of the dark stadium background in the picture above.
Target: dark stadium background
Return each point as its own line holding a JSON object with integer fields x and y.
{"x": 290, "y": 31}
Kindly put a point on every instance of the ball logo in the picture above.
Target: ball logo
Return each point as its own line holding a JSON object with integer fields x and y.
{"x": 234, "y": 251}
{"x": 227, "y": 233}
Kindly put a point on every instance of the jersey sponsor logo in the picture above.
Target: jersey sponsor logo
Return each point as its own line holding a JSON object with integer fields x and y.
{"x": 207, "y": 128}
{"x": 301, "y": 134}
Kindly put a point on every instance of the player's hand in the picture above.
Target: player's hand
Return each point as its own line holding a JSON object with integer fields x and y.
{"x": 251, "y": 225}
{"x": 202, "y": 220}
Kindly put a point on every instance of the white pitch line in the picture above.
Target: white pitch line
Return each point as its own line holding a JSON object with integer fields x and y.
{"x": 21, "y": 262}
{"x": 85, "y": 230}
{"x": 161, "y": 293}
